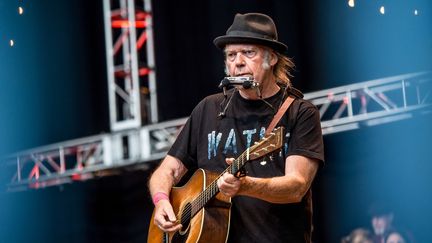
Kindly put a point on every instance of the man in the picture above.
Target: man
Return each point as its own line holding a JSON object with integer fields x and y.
{"x": 272, "y": 203}
{"x": 381, "y": 220}
{"x": 381, "y": 224}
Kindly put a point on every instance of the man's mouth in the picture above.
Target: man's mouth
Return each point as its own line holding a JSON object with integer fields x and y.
{"x": 244, "y": 75}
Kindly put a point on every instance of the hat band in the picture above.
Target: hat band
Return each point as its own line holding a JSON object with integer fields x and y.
{"x": 249, "y": 34}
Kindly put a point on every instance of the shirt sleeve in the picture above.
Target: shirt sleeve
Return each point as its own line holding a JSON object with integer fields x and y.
{"x": 185, "y": 146}
{"x": 182, "y": 148}
{"x": 306, "y": 134}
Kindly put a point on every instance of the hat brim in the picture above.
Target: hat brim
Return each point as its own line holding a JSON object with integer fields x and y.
{"x": 222, "y": 41}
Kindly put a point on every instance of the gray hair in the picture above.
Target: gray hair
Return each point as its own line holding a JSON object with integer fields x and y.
{"x": 282, "y": 69}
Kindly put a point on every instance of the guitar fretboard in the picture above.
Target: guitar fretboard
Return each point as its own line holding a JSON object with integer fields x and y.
{"x": 212, "y": 189}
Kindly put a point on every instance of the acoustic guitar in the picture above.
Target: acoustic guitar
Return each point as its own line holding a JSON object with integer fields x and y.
{"x": 204, "y": 212}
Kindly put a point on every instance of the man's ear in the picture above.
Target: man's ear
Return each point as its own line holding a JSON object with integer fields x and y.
{"x": 273, "y": 58}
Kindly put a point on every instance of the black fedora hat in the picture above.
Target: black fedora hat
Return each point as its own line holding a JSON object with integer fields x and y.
{"x": 253, "y": 28}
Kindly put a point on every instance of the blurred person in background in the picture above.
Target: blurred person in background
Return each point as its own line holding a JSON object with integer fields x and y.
{"x": 395, "y": 237}
{"x": 358, "y": 235}
{"x": 382, "y": 221}
{"x": 399, "y": 236}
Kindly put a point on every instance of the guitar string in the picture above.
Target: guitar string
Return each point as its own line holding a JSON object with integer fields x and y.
{"x": 206, "y": 195}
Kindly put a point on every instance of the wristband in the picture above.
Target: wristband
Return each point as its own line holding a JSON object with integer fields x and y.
{"x": 159, "y": 196}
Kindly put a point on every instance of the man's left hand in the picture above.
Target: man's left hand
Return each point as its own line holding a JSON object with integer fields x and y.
{"x": 228, "y": 184}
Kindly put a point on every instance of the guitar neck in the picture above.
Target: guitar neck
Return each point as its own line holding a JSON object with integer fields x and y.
{"x": 266, "y": 145}
{"x": 212, "y": 189}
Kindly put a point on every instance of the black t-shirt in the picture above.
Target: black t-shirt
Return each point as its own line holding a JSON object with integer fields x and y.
{"x": 206, "y": 140}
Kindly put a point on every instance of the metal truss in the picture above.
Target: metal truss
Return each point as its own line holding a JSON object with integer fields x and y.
{"x": 373, "y": 102}
{"x": 341, "y": 109}
{"x": 130, "y": 63}
{"x": 89, "y": 157}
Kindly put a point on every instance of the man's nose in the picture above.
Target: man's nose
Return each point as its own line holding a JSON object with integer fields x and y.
{"x": 240, "y": 59}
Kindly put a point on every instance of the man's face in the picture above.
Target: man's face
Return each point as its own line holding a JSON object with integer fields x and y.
{"x": 381, "y": 224}
{"x": 249, "y": 60}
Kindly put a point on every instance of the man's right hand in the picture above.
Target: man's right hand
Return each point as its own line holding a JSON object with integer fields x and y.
{"x": 165, "y": 218}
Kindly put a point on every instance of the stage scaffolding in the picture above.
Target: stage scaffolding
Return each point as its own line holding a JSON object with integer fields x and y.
{"x": 130, "y": 63}
{"x": 343, "y": 108}
{"x": 373, "y": 102}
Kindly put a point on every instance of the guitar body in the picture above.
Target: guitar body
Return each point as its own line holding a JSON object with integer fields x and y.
{"x": 204, "y": 212}
{"x": 210, "y": 224}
